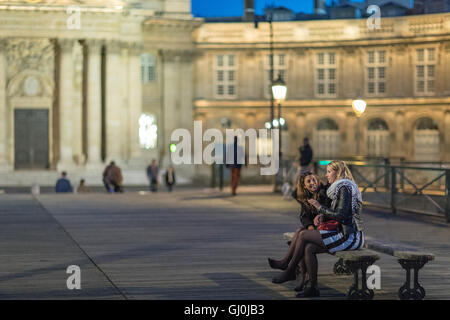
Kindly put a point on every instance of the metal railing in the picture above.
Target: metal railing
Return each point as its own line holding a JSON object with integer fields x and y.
{"x": 423, "y": 190}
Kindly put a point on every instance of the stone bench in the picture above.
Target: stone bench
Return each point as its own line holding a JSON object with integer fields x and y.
{"x": 350, "y": 262}
{"x": 409, "y": 258}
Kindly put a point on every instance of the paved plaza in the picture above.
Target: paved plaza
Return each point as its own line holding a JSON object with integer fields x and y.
{"x": 190, "y": 244}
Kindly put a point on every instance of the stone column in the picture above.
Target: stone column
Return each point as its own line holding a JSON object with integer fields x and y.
{"x": 94, "y": 104}
{"x": 446, "y": 156}
{"x": 171, "y": 101}
{"x": 4, "y": 164}
{"x": 348, "y": 146}
{"x": 114, "y": 102}
{"x": 66, "y": 98}
{"x": 134, "y": 102}
{"x": 400, "y": 149}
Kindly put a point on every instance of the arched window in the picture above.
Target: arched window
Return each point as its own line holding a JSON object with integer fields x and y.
{"x": 426, "y": 140}
{"x": 148, "y": 131}
{"x": 377, "y": 138}
{"x": 148, "y": 70}
{"x": 326, "y": 139}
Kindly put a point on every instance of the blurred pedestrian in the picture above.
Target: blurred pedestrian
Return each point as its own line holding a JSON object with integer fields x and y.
{"x": 63, "y": 184}
{"x": 236, "y": 164}
{"x": 152, "y": 174}
{"x": 170, "y": 178}
{"x": 112, "y": 178}
{"x": 306, "y": 155}
{"x": 82, "y": 188}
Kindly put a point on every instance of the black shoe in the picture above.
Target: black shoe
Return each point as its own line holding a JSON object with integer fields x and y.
{"x": 277, "y": 264}
{"x": 309, "y": 293}
{"x": 301, "y": 286}
{"x": 284, "y": 277}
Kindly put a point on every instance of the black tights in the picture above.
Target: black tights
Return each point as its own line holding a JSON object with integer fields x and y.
{"x": 297, "y": 252}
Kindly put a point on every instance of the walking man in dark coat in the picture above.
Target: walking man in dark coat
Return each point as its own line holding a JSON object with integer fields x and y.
{"x": 306, "y": 155}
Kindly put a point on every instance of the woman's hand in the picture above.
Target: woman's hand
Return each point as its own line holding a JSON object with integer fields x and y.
{"x": 318, "y": 219}
{"x": 315, "y": 203}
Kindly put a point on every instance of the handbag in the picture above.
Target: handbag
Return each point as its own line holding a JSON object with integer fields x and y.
{"x": 329, "y": 225}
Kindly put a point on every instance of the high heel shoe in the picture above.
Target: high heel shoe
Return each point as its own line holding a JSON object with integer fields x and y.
{"x": 301, "y": 286}
{"x": 284, "y": 277}
{"x": 277, "y": 264}
{"x": 309, "y": 293}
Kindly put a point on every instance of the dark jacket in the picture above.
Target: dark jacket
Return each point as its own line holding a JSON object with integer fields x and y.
{"x": 306, "y": 155}
{"x": 113, "y": 174}
{"x": 63, "y": 185}
{"x": 307, "y": 212}
{"x": 341, "y": 210}
{"x": 152, "y": 172}
{"x": 167, "y": 178}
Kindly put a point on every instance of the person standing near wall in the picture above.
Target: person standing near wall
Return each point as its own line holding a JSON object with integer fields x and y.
{"x": 306, "y": 155}
{"x": 152, "y": 174}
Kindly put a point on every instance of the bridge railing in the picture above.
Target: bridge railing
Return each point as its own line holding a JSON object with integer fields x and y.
{"x": 417, "y": 189}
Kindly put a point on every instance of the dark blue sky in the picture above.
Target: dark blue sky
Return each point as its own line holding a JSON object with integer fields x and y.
{"x": 224, "y": 8}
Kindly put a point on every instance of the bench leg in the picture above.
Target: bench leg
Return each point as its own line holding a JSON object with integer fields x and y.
{"x": 354, "y": 293}
{"x": 405, "y": 292}
{"x": 340, "y": 268}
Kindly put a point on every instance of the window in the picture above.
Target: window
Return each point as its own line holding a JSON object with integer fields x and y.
{"x": 279, "y": 68}
{"x": 148, "y": 131}
{"x": 326, "y": 139}
{"x": 377, "y": 138}
{"x": 326, "y": 77}
{"x": 376, "y": 72}
{"x": 426, "y": 140}
{"x": 425, "y": 71}
{"x": 225, "y": 76}
{"x": 148, "y": 71}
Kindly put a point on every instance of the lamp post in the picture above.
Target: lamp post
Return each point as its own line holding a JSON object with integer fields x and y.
{"x": 358, "y": 106}
{"x": 272, "y": 116}
{"x": 279, "y": 91}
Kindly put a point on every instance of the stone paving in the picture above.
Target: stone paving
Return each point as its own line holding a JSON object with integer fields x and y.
{"x": 190, "y": 244}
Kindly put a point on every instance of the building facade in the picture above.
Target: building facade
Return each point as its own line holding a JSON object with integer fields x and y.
{"x": 402, "y": 71}
{"x": 73, "y": 92}
{"x": 83, "y": 83}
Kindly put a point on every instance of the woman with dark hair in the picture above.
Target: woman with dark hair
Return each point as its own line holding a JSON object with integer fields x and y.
{"x": 346, "y": 207}
{"x": 309, "y": 186}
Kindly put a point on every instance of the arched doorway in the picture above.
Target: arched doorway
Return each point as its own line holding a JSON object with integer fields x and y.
{"x": 377, "y": 138}
{"x": 426, "y": 140}
{"x": 326, "y": 139}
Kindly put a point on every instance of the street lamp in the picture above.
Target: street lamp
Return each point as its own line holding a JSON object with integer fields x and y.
{"x": 359, "y": 106}
{"x": 279, "y": 91}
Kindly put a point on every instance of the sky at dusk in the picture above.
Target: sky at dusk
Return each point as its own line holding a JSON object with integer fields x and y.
{"x": 224, "y": 8}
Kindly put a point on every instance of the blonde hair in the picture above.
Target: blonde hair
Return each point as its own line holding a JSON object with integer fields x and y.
{"x": 342, "y": 171}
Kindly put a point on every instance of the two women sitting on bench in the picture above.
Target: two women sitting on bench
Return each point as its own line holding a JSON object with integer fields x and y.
{"x": 338, "y": 227}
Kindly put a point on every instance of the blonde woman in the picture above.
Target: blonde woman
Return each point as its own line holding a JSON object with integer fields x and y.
{"x": 346, "y": 208}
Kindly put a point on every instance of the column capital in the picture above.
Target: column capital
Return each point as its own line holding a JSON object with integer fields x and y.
{"x": 135, "y": 48}
{"x": 3, "y": 44}
{"x": 94, "y": 45}
{"x": 66, "y": 45}
{"x": 113, "y": 46}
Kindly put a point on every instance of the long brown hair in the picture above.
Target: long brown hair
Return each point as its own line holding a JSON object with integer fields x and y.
{"x": 302, "y": 192}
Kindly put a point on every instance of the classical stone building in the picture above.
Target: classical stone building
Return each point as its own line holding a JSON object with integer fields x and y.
{"x": 402, "y": 71}
{"x": 82, "y": 81}
{"x": 86, "y": 82}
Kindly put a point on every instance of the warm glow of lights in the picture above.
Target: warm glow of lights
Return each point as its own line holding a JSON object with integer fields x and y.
{"x": 148, "y": 131}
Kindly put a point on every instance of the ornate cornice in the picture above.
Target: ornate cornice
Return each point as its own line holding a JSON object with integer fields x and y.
{"x": 171, "y": 55}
